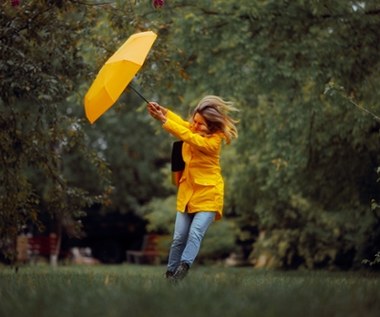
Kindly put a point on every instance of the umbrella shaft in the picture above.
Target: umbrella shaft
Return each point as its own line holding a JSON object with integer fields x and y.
{"x": 140, "y": 95}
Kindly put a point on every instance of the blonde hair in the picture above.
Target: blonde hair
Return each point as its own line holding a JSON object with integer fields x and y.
{"x": 216, "y": 112}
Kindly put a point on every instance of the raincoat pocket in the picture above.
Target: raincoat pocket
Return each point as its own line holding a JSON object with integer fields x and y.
{"x": 206, "y": 194}
{"x": 205, "y": 181}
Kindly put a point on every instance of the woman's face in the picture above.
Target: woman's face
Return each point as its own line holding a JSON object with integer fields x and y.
{"x": 199, "y": 124}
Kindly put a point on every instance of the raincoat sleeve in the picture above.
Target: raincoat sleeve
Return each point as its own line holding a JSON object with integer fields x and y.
{"x": 206, "y": 143}
{"x": 176, "y": 118}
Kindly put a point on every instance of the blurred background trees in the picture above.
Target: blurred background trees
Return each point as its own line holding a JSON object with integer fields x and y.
{"x": 301, "y": 181}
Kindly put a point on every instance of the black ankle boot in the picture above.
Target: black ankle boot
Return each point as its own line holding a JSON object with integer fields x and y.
{"x": 169, "y": 274}
{"x": 181, "y": 271}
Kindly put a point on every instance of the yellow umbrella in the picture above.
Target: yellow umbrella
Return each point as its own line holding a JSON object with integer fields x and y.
{"x": 116, "y": 74}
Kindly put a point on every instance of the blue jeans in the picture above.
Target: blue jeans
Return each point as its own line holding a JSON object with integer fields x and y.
{"x": 189, "y": 231}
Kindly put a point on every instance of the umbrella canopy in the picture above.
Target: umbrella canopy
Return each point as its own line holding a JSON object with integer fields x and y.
{"x": 116, "y": 74}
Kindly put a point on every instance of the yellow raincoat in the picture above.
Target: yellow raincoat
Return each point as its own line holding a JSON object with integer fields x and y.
{"x": 201, "y": 187}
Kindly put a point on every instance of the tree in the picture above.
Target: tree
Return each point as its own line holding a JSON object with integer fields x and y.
{"x": 311, "y": 198}
{"x": 40, "y": 67}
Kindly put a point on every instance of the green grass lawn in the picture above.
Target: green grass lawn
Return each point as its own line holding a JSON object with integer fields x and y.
{"x": 135, "y": 291}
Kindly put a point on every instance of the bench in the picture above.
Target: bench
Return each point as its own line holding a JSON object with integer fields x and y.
{"x": 152, "y": 251}
{"x": 33, "y": 248}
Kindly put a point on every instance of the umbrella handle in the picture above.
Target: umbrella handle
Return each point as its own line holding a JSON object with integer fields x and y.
{"x": 140, "y": 95}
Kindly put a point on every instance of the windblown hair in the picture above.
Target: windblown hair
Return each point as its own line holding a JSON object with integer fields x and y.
{"x": 216, "y": 113}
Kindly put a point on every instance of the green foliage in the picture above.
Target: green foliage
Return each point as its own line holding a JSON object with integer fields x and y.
{"x": 40, "y": 67}
{"x": 39, "y": 61}
{"x": 160, "y": 214}
{"x": 220, "y": 241}
{"x": 309, "y": 238}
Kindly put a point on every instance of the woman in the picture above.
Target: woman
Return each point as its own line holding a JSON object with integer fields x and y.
{"x": 201, "y": 187}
